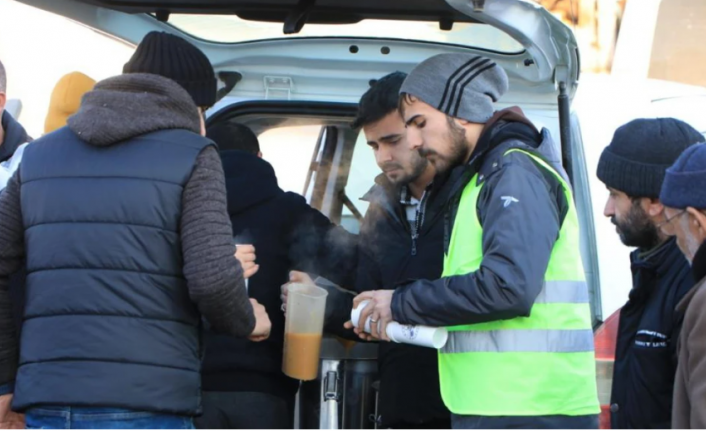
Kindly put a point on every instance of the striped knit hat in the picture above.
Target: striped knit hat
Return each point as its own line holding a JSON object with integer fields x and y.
{"x": 460, "y": 85}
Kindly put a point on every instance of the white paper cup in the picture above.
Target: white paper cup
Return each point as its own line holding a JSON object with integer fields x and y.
{"x": 418, "y": 335}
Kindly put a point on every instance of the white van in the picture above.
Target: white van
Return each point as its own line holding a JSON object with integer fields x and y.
{"x": 294, "y": 70}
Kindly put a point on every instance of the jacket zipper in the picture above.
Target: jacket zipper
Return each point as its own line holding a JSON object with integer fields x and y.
{"x": 418, "y": 222}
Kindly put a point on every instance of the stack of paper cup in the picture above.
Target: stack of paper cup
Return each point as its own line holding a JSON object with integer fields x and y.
{"x": 424, "y": 336}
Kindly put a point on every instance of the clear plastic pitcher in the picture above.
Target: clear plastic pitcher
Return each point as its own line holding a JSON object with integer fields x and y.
{"x": 303, "y": 329}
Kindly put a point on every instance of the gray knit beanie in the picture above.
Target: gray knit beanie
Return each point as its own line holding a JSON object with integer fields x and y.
{"x": 460, "y": 85}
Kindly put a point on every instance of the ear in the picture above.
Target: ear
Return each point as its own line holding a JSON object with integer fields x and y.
{"x": 3, "y": 101}
{"x": 259, "y": 154}
{"x": 654, "y": 207}
{"x": 203, "y": 124}
{"x": 461, "y": 122}
{"x": 699, "y": 219}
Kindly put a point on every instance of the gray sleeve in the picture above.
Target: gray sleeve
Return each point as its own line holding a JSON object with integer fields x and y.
{"x": 213, "y": 275}
{"x": 517, "y": 244}
{"x": 12, "y": 250}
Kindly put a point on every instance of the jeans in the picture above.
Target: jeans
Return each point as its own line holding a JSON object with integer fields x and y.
{"x": 245, "y": 410}
{"x": 102, "y": 418}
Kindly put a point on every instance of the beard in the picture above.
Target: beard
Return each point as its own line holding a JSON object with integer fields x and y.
{"x": 398, "y": 175}
{"x": 637, "y": 230}
{"x": 458, "y": 149}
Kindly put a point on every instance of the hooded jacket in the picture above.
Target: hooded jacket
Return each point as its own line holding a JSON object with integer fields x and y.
{"x": 122, "y": 217}
{"x": 287, "y": 234}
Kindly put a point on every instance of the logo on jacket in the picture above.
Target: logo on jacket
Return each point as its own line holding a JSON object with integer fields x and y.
{"x": 507, "y": 200}
{"x": 648, "y": 338}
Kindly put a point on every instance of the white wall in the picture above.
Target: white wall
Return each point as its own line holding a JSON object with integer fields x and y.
{"x": 37, "y": 48}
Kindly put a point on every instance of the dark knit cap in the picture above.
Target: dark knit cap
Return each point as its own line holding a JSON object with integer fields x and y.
{"x": 459, "y": 85}
{"x": 641, "y": 151}
{"x": 685, "y": 183}
{"x": 172, "y": 57}
{"x": 233, "y": 136}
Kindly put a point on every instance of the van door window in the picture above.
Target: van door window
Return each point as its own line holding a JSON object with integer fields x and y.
{"x": 361, "y": 178}
{"x": 290, "y": 150}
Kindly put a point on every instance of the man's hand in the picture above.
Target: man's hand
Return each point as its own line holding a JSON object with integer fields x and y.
{"x": 294, "y": 277}
{"x": 8, "y": 418}
{"x": 378, "y": 309}
{"x": 262, "y": 322}
{"x": 245, "y": 253}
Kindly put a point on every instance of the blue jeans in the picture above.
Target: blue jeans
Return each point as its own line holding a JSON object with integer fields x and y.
{"x": 102, "y": 418}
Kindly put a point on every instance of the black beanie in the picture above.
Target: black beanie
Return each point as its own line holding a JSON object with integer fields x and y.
{"x": 637, "y": 158}
{"x": 172, "y": 57}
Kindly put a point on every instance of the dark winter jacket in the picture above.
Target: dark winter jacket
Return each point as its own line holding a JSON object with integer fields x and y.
{"x": 409, "y": 378}
{"x": 287, "y": 234}
{"x": 515, "y": 258}
{"x": 646, "y": 350}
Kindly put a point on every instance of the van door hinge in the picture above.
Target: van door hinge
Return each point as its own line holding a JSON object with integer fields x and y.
{"x": 561, "y": 74}
{"x": 278, "y": 87}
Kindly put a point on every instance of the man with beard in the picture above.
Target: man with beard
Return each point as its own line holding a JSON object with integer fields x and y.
{"x": 512, "y": 292}
{"x": 401, "y": 238}
{"x": 684, "y": 198}
{"x": 633, "y": 168}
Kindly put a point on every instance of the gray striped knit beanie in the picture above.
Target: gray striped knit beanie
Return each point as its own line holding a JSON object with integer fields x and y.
{"x": 463, "y": 86}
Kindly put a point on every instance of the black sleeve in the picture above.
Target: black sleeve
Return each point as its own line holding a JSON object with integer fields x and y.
{"x": 213, "y": 275}
{"x": 521, "y": 222}
{"x": 317, "y": 246}
{"x": 12, "y": 250}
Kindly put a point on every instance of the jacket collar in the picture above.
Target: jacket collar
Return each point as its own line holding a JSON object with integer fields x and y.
{"x": 387, "y": 196}
{"x": 661, "y": 260}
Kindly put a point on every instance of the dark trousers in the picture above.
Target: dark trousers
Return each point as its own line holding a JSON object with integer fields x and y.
{"x": 435, "y": 424}
{"x": 526, "y": 422}
{"x": 245, "y": 410}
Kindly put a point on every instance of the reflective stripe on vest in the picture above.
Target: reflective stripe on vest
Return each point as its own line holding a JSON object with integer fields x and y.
{"x": 527, "y": 366}
{"x": 564, "y": 291}
{"x": 521, "y": 340}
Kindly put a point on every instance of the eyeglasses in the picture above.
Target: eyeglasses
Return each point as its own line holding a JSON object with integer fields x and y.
{"x": 668, "y": 220}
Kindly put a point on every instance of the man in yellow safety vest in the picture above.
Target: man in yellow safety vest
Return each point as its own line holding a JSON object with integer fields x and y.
{"x": 512, "y": 294}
